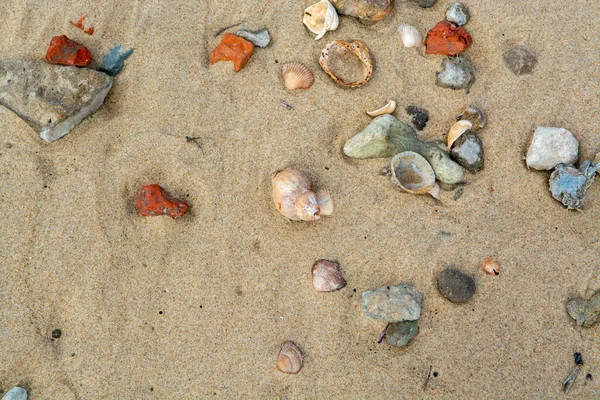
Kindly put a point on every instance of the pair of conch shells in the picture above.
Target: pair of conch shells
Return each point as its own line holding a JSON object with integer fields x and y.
{"x": 412, "y": 173}
{"x": 290, "y": 358}
{"x": 327, "y": 276}
{"x": 320, "y": 18}
{"x": 294, "y": 198}
{"x": 349, "y": 64}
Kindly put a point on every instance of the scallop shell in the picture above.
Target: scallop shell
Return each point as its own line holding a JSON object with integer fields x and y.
{"x": 410, "y": 36}
{"x": 387, "y": 109}
{"x": 290, "y": 358}
{"x": 491, "y": 266}
{"x": 457, "y": 130}
{"x": 340, "y": 49}
{"x": 412, "y": 173}
{"x": 296, "y": 76}
{"x": 327, "y": 276}
{"x": 320, "y": 18}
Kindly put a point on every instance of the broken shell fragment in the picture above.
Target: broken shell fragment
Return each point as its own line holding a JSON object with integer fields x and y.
{"x": 368, "y": 11}
{"x": 412, "y": 173}
{"x": 296, "y": 76}
{"x": 349, "y": 64}
{"x": 294, "y": 198}
{"x": 290, "y": 358}
{"x": 457, "y": 130}
{"x": 474, "y": 115}
{"x": 320, "y": 18}
{"x": 327, "y": 276}
{"x": 410, "y": 36}
{"x": 387, "y": 109}
{"x": 491, "y": 266}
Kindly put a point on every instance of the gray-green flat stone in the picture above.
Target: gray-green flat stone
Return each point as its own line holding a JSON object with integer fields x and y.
{"x": 400, "y": 333}
{"x": 393, "y": 303}
{"x": 585, "y": 312}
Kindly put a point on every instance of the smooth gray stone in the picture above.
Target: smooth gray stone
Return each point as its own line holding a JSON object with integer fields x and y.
{"x": 456, "y": 286}
{"x": 426, "y": 3}
{"x": 258, "y": 38}
{"x": 468, "y": 152}
{"x": 52, "y": 99}
{"x": 393, "y": 303}
{"x": 400, "y": 333}
{"x": 16, "y": 393}
{"x": 458, "y": 14}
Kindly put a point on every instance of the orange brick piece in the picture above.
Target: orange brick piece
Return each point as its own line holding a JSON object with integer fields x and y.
{"x": 154, "y": 200}
{"x": 233, "y": 48}
{"x": 445, "y": 38}
{"x": 65, "y": 51}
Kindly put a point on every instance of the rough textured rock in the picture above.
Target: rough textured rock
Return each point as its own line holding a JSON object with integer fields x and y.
{"x": 114, "y": 61}
{"x": 520, "y": 60}
{"x": 153, "y": 200}
{"x": 233, "y": 48}
{"x": 419, "y": 117}
{"x": 550, "y": 147}
{"x": 585, "y": 312}
{"x": 426, "y": 3}
{"x": 468, "y": 152}
{"x": 457, "y": 73}
{"x": 400, "y": 333}
{"x": 65, "y": 51}
{"x": 52, "y": 99}
{"x": 16, "y": 393}
{"x": 456, "y": 286}
{"x": 569, "y": 185}
{"x": 393, "y": 303}
{"x": 446, "y": 39}
{"x": 259, "y": 38}
{"x": 369, "y": 11}
{"x": 386, "y": 136}
{"x": 458, "y": 14}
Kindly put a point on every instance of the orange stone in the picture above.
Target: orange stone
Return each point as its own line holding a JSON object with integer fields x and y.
{"x": 65, "y": 51}
{"x": 233, "y": 48}
{"x": 154, "y": 200}
{"x": 447, "y": 39}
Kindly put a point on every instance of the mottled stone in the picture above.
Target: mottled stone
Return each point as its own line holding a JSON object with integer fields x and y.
{"x": 419, "y": 117}
{"x": 456, "y": 286}
{"x": 65, "y": 51}
{"x": 400, "y": 333}
{"x": 550, "y": 147}
{"x": 446, "y": 39}
{"x": 393, "y": 303}
{"x": 259, "y": 38}
{"x": 153, "y": 200}
{"x": 233, "y": 48}
{"x": 457, "y": 73}
{"x": 520, "y": 60}
{"x": 52, "y": 99}
{"x": 468, "y": 152}
{"x": 585, "y": 312}
{"x": 458, "y": 14}
{"x": 569, "y": 185}
{"x": 475, "y": 116}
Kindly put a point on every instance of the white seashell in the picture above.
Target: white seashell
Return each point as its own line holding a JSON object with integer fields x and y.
{"x": 457, "y": 130}
{"x": 296, "y": 76}
{"x": 320, "y": 18}
{"x": 387, "y": 109}
{"x": 16, "y": 393}
{"x": 411, "y": 37}
{"x": 290, "y": 358}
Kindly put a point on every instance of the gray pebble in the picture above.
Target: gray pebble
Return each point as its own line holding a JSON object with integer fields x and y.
{"x": 426, "y": 3}
{"x": 585, "y": 312}
{"x": 16, "y": 393}
{"x": 458, "y": 14}
{"x": 393, "y": 303}
{"x": 258, "y": 38}
{"x": 400, "y": 333}
{"x": 468, "y": 152}
{"x": 456, "y": 286}
{"x": 520, "y": 60}
{"x": 569, "y": 185}
{"x": 457, "y": 73}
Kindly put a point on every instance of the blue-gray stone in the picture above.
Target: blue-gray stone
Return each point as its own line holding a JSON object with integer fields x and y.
{"x": 114, "y": 61}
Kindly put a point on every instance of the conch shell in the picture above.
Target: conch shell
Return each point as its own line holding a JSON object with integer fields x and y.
{"x": 412, "y": 173}
{"x": 294, "y": 198}
{"x": 320, "y": 18}
{"x": 338, "y": 59}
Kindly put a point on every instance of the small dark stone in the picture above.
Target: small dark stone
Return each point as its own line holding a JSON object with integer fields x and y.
{"x": 457, "y": 73}
{"x": 426, "y": 3}
{"x": 468, "y": 152}
{"x": 578, "y": 358}
{"x": 520, "y": 60}
{"x": 589, "y": 377}
{"x": 419, "y": 117}
{"x": 456, "y": 286}
{"x": 56, "y": 333}
{"x": 400, "y": 333}
{"x": 458, "y": 194}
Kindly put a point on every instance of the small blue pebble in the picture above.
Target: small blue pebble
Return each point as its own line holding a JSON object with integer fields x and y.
{"x": 114, "y": 61}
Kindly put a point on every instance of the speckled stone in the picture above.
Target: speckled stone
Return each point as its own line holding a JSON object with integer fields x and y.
{"x": 400, "y": 333}
{"x": 456, "y": 286}
{"x": 393, "y": 303}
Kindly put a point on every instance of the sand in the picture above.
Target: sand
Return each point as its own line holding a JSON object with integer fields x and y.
{"x": 197, "y": 307}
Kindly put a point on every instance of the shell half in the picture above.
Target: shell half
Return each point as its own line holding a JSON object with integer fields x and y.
{"x": 290, "y": 358}
{"x": 296, "y": 76}
{"x": 412, "y": 173}
{"x": 327, "y": 276}
{"x": 320, "y": 18}
{"x": 387, "y": 109}
{"x": 288, "y": 185}
{"x": 410, "y": 36}
{"x": 457, "y": 130}
{"x": 338, "y": 59}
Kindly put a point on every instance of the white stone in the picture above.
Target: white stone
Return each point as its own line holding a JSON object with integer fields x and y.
{"x": 550, "y": 147}
{"x": 15, "y": 393}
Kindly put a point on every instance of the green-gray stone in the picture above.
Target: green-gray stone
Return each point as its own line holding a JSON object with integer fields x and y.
{"x": 585, "y": 312}
{"x": 400, "y": 333}
{"x": 393, "y": 303}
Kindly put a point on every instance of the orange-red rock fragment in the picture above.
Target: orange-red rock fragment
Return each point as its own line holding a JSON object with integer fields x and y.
{"x": 65, "y": 51}
{"x": 445, "y": 38}
{"x": 154, "y": 200}
{"x": 81, "y": 25}
{"x": 233, "y": 48}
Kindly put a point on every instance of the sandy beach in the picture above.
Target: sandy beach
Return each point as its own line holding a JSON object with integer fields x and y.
{"x": 197, "y": 307}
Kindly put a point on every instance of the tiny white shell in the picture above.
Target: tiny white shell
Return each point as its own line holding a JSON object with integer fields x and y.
{"x": 411, "y": 37}
{"x": 320, "y": 18}
{"x": 457, "y": 130}
{"x": 387, "y": 109}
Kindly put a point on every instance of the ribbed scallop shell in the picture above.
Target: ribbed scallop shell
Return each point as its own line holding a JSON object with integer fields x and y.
{"x": 290, "y": 358}
{"x": 327, "y": 276}
{"x": 297, "y": 76}
{"x": 410, "y": 36}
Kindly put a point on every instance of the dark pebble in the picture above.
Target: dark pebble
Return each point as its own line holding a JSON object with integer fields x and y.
{"x": 419, "y": 117}
{"x": 56, "y": 333}
{"x": 578, "y": 358}
{"x": 426, "y": 3}
{"x": 456, "y": 286}
{"x": 468, "y": 152}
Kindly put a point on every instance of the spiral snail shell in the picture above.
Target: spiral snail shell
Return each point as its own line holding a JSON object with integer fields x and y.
{"x": 294, "y": 198}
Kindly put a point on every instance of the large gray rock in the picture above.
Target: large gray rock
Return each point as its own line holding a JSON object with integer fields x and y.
{"x": 393, "y": 303}
{"x": 52, "y": 99}
{"x": 550, "y": 147}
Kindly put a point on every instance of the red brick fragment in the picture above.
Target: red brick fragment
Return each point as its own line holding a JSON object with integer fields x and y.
{"x": 233, "y": 48}
{"x": 65, "y": 51}
{"x": 448, "y": 39}
{"x": 154, "y": 200}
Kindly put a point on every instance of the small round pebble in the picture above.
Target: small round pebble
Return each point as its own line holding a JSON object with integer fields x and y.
{"x": 458, "y": 14}
{"x": 456, "y": 286}
{"x": 56, "y": 333}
